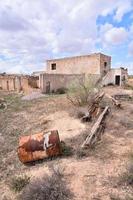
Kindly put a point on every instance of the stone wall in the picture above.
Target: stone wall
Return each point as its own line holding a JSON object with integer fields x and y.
{"x": 18, "y": 83}
{"x": 56, "y": 81}
{"x": 89, "y": 64}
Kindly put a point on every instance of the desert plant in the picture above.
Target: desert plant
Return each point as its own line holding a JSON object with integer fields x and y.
{"x": 19, "y": 182}
{"x": 47, "y": 187}
{"x": 81, "y": 92}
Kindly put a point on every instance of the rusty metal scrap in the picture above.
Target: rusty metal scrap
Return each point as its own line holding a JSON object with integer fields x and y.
{"x": 39, "y": 146}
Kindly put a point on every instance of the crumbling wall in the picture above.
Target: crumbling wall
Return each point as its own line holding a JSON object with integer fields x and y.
{"x": 18, "y": 83}
{"x": 7, "y": 83}
{"x": 29, "y": 83}
{"x": 57, "y": 81}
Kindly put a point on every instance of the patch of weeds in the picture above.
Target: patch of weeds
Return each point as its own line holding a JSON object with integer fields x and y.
{"x": 80, "y": 153}
{"x": 117, "y": 197}
{"x": 47, "y": 187}
{"x": 19, "y": 182}
{"x": 127, "y": 177}
{"x": 127, "y": 123}
{"x": 66, "y": 150}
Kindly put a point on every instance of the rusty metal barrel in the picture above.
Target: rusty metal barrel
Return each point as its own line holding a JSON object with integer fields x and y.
{"x": 39, "y": 146}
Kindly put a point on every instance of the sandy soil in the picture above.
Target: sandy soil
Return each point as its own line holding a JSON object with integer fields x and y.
{"x": 90, "y": 178}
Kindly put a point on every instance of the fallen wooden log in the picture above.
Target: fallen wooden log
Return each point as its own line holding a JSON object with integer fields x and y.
{"x": 124, "y": 97}
{"x": 94, "y": 109}
{"x": 97, "y": 130}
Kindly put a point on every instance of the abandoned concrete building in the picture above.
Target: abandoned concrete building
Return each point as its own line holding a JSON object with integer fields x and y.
{"x": 62, "y": 72}
{"x": 14, "y": 82}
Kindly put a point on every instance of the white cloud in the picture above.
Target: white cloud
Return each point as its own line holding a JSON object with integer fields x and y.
{"x": 115, "y": 36}
{"x": 123, "y": 8}
{"x": 32, "y": 31}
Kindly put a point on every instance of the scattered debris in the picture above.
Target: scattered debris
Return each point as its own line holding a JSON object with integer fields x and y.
{"x": 39, "y": 146}
{"x": 124, "y": 97}
{"x": 97, "y": 130}
{"x": 115, "y": 102}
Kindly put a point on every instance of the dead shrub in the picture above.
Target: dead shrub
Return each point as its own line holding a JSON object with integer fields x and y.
{"x": 19, "y": 182}
{"x": 51, "y": 187}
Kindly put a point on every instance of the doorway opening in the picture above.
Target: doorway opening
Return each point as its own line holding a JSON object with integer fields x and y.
{"x": 48, "y": 87}
{"x": 7, "y": 85}
{"x": 117, "y": 80}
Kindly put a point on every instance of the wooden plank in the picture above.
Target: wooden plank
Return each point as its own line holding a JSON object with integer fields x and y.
{"x": 96, "y": 129}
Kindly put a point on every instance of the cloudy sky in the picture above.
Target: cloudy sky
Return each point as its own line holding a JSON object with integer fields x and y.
{"x": 32, "y": 31}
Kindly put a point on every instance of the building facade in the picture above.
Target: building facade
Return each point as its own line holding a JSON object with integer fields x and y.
{"x": 96, "y": 63}
{"x": 50, "y": 83}
{"x": 60, "y": 72}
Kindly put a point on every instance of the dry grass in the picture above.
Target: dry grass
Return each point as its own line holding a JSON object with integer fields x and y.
{"x": 17, "y": 183}
{"x": 24, "y": 117}
{"x": 47, "y": 187}
{"x": 20, "y": 118}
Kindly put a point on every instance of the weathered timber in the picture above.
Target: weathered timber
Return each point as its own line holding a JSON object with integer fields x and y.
{"x": 115, "y": 102}
{"x": 124, "y": 97}
{"x": 97, "y": 130}
{"x": 93, "y": 109}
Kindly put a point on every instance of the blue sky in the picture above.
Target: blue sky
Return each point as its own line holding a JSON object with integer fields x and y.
{"x": 33, "y": 31}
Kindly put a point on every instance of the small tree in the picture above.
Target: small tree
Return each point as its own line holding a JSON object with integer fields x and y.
{"x": 81, "y": 92}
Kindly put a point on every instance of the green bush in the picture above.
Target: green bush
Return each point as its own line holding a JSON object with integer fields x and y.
{"x": 80, "y": 93}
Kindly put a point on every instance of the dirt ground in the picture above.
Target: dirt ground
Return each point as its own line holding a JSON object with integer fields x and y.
{"x": 93, "y": 177}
